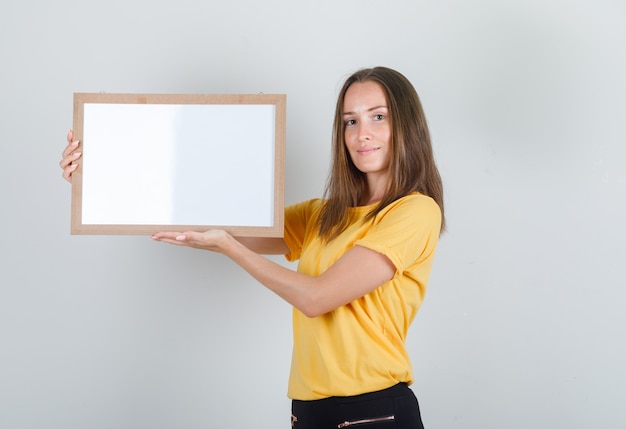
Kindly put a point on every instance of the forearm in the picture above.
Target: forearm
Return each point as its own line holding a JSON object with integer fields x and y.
{"x": 265, "y": 245}
{"x": 296, "y": 288}
{"x": 356, "y": 273}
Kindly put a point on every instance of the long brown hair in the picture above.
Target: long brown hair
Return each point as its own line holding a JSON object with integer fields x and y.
{"x": 412, "y": 167}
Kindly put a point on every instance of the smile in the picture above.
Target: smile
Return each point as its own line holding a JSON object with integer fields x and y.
{"x": 367, "y": 150}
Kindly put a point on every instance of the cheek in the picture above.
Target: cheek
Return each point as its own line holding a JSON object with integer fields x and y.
{"x": 348, "y": 137}
{"x": 387, "y": 134}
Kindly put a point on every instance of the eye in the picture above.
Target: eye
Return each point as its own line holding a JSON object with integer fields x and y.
{"x": 350, "y": 122}
{"x": 379, "y": 117}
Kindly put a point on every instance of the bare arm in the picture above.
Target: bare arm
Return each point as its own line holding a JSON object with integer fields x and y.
{"x": 265, "y": 245}
{"x": 358, "y": 272}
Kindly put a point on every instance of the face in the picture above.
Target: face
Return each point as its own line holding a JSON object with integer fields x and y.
{"x": 367, "y": 127}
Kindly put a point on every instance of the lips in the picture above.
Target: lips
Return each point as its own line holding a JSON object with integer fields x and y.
{"x": 367, "y": 150}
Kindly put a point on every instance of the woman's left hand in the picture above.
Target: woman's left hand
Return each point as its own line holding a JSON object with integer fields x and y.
{"x": 214, "y": 239}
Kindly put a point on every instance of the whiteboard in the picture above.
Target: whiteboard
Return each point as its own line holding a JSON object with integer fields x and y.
{"x": 155, "y": 163}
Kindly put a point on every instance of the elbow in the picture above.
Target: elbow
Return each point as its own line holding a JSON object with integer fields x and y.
{"x": 313, "y": 302}
{"x": 313, "y": 308}
{"x": 311, "y": 312}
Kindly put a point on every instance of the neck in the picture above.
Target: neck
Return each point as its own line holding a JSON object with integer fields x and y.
{"x": 376, "y": 188}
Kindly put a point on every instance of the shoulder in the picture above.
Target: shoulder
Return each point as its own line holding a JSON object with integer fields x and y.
{"x": 303, "y": 213}
{"x": 406, "y": 231}
{"x": 415, "y": 203}
{"x": 415, "y": 213}
{"x": 307, "y": 206}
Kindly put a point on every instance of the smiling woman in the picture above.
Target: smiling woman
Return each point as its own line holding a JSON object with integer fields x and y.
{"x": 365, "y": 253}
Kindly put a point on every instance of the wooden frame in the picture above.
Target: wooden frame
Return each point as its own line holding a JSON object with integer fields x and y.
{"x": 179, "y": 162}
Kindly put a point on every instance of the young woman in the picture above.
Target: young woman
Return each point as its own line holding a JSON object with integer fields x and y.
{"x": 365, "y": 254}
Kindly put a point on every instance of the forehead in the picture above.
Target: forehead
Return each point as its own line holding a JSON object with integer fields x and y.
{"x": 364, "y": 95}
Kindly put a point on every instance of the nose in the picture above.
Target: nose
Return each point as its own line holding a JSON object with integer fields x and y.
{"x": 365, "y": 133}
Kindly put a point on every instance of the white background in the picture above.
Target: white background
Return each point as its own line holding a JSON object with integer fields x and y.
{"x": 523, "y": 324}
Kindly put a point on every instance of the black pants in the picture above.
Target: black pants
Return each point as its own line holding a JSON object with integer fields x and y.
{"x": 392, "y": 408}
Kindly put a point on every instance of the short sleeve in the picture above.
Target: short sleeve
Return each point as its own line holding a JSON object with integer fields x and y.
{"x": 406, "y": 231}
{"x": 299, "y": 221}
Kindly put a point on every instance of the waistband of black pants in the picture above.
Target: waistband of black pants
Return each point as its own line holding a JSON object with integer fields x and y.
{"x": 399, "y": 389}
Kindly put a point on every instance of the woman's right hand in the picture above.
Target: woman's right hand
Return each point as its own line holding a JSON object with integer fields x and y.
{"x": 69, "y": 156}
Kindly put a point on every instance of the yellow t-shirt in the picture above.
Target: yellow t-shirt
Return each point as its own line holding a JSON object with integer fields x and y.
{"x": 360, "y": 347}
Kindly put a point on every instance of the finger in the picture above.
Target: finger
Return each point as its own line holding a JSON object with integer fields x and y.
{"x": 70, "y": 136}
{"x": 171, "y": 241}
{"x": 67, "y": 172}
{"x": 71, "y": 147}
{"x": 69, "y": 159}
{"x": 170, "y": 238}
{"x": 165, "y": 235}
{"x": 192, "y": 237}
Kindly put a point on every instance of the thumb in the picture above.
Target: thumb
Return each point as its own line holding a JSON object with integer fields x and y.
{"x": 189, "y": 236}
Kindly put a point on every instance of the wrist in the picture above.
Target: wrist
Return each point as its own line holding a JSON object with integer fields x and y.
{"x": 227, "y": 244}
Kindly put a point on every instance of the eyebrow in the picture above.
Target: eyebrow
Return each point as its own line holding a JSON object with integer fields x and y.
{"x": 368, "y": 110}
